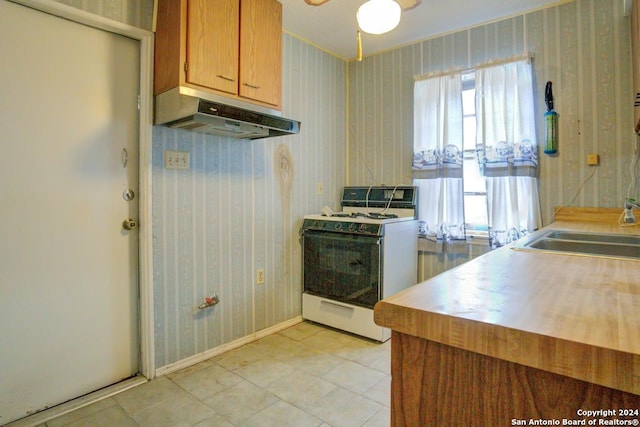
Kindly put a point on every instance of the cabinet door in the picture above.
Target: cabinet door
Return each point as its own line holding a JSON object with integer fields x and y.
{"x": 212, "y": 44}
{"x": 261, "y": 50}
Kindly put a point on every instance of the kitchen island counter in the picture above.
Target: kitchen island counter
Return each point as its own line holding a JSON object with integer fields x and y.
{"x": 517, "y": 323}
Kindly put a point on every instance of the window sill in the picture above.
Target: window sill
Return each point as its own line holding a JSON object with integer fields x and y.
{"x": 478, "y": 238}
{"x": 430, "y": 245}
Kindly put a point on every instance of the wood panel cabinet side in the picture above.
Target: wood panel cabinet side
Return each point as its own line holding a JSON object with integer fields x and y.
{"x": 167, "y": 51}
{"x": 261, "y": 51}
{"x": 437, "y": 385}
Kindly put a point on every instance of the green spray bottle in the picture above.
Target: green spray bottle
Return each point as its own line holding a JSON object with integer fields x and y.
{"x": 550, "y": 123}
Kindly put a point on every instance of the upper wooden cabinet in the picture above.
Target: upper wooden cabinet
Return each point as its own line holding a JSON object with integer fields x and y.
{"x": 261, "y": 50}
{"x": 228, "y": 47}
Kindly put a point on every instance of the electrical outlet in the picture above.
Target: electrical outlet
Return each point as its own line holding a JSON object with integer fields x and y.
{"x": 176, "y": 159}
{"x": 592, "y": 159}
{"x": 319, "y": 188}
{"x": 260, "y": 276}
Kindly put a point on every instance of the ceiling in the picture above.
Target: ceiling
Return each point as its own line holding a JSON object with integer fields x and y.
{"x": 332, "y": 26}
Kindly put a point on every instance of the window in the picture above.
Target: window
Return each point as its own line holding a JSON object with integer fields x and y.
{"x": 475, "y": 188}
{"x": 475, "y": 153}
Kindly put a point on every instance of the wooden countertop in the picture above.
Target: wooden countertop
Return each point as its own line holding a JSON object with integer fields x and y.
{"x": 572, "y": 315}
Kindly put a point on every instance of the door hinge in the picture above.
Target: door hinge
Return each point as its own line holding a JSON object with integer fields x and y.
{"x": 139, "y": 101}
{"x": 186, "y": 67}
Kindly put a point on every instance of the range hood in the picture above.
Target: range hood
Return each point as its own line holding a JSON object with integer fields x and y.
{"x": 197, "y": 111}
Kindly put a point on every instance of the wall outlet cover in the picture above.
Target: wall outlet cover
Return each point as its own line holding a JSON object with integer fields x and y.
{"x": 592, "y": 159}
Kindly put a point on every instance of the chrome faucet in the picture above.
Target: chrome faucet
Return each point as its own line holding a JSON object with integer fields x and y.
{"x": 629, "y": 204}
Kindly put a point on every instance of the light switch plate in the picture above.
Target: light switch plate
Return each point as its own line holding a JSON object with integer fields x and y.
{"x": 176, "y": 159}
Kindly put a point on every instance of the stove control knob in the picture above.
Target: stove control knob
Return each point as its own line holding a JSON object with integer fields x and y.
{"x": 338, "y": 225}
{"x": 362, "y": 227}
{"x": 352, "y": 226}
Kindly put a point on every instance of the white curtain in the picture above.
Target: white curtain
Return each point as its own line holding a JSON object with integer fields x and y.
{"x": 507, "y": 149}
{"x": 437, "y": 159}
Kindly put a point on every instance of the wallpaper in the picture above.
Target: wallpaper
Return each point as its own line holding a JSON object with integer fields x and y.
{"x": 583, "y": 47}
{"x": 239, "y": 208}
{"x": 137, "y": 13}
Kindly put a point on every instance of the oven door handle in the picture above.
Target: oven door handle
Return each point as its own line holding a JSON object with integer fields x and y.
{"x": 343, "y": 237}
{"x": 337, "y": 304}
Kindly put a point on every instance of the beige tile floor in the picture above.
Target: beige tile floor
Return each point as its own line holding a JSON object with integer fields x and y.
{"x": 305, "y": 375}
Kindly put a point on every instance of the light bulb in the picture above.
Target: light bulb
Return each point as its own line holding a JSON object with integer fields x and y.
{"x": 378, "y": 16}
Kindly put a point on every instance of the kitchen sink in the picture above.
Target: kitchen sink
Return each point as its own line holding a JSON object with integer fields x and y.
{"x": 582, "y": 243}
{"x": 623, "y": 239}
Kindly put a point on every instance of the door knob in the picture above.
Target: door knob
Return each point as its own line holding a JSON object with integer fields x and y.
{"x": 129, "y": 224}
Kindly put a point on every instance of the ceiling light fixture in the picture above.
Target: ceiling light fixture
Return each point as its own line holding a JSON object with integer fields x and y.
{"x": 378, "y": 16}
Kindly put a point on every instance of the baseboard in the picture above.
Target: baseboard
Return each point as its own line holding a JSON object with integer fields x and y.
{"x": 80, "y": 402}
{"x": 201, "y": 357}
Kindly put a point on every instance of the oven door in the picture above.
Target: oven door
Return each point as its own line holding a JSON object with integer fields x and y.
{"x": 342, "y": 267}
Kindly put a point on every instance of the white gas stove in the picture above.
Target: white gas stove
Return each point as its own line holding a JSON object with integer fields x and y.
{"x": 354, "y": 258}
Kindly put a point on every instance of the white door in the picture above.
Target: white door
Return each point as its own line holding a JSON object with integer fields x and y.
{"x": 68, "y": 152}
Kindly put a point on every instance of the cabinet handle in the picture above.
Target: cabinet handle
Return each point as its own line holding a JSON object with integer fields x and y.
{"x": 251, "y": 86}
{"x": 225, "y": 78}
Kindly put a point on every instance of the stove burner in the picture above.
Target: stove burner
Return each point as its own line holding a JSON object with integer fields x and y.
{"x": 371, "y": 215}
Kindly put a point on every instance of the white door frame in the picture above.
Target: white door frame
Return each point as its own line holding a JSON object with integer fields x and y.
{"x": 145, "y": 38}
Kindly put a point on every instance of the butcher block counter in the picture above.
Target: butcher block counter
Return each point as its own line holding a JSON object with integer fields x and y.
{"x": 514, "y": 336}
